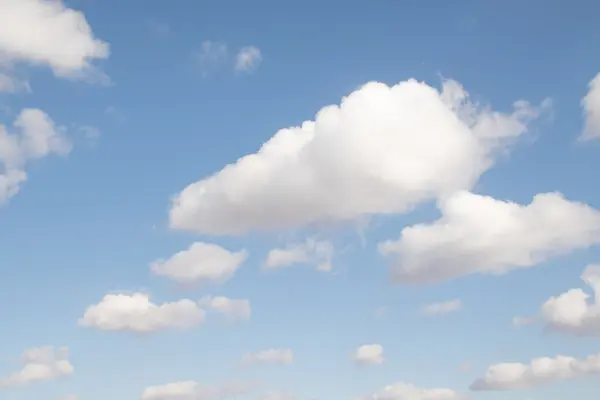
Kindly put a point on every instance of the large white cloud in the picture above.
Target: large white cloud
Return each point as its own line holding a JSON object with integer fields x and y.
{"x": 317, "y": 252}
{"x": 200, "y": 262}
{"x": 191, "y": 390}
{"x": 369, "y": 354}
{"x": 136, "y": 313}
{"x": 479, "y": 234}
{"x": 407, "y": 391}
{"x": 269, "y": 356}
{"x": 591, "y": 110}
{"x": 383, "y": 150}
{"x": 573, "y": 311}
{"x": 33, "y": 136}
{"x": 40, "y": 364}
{"x": 48, "y": 33}
{"x": 540, "y": 371}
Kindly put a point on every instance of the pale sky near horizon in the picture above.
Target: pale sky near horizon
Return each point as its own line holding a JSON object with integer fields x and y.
{"x": 202, "y": 200}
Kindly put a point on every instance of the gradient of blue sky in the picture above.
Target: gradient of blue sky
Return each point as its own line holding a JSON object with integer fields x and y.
{"x": 93, "y": 222}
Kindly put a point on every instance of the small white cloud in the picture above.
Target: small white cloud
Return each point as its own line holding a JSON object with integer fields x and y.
{"x": 369, "y": 354}
{"x": 443, "y": 307}
{"x": 465, "y": 367}
{"x": 200, "y": 262}
{"x": 69, "y": 397}
{"x": 248, "y": 59}
{"x": 40, "y": 364}
{"x": 479, "y": 234}
{"x": 539, "y": 372}
{"x": 269, "y": 356}
{"x": 136, "y": 313}
{"x": 312, "y": 251}
{"x": 591, "y": 110}
{"x": 64, "y": 41}
{"x": 407, "y": 391}
{"x": 575, "y": 311}
{"x": 232, "y": 309}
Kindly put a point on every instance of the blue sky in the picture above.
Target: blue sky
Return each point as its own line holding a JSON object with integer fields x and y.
{"x": 92, "y": 222}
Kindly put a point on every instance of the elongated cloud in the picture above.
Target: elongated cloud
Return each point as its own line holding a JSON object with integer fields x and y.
{"x": 40, "y": 364}
{"x": 479, "y": 234}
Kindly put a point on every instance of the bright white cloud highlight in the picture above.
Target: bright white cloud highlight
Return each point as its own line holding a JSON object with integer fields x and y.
{"x": 575, "y": 311}
{"x": 269, "y": 356}
{"x": 443, "y": 307}
{"x": 136, "y": 313}
{"x": 591, "y": 110}
{"x": 540, "y": 371}
{"x": 479, "y": 234}
{"x": 40, "y": 364}
{"x": 201, "y": 262}
{"x": 63, "y": 39}
{"x": 407, "y": 391}
{"x": 190, "y": 390}
{"x": 248, "y": 59}
{"x": 232, "y": 309}
{"x": 317, "y": 252}
{"x": 382, "y": 151}
{"x": 33, "y": 136}
{"x": 369, "y": 354}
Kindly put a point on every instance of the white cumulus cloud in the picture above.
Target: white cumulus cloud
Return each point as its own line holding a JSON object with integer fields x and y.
{"x": 136, "y": 313}
{"x": 63, "y": 40}
{"x": 248, "y": 59}
{"x": 443, "y": 307}
{"x": 408, "y": 391}
{"x": 232, "y": 309}
{"x": 382, "y": 151}
{"x": 540, "y": 371}
{"x": 269, "y": 356}
{"x": 575, "y": 311}
{"x": 479, "y": 234}
{"x": 40, "y": 364}
{"x": 369, "y": 354}
{"x": 200, "y": 262}
{"x": 317, "y": 252}
{"x": 591, "y": 110}
{"x": 33, "y": 136}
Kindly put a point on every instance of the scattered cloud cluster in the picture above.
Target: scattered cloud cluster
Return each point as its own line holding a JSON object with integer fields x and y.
{"x": 213, "y": 55}
{"x": 40, "y": 364}
{"x": 384, "y": 150}
{"x": 136, "y": 313}
{"x": 540, "y": 371}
